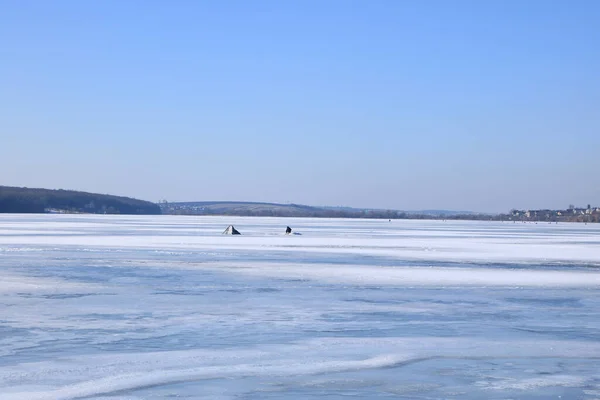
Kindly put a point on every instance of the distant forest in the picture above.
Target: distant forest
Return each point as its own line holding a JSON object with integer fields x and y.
{"x": 249, "y": 209}
{"x": 26, "y": 200}
{"x": 253, "y": 209}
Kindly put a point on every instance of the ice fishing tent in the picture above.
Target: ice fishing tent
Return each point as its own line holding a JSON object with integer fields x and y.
{"x": 231, "y": 231}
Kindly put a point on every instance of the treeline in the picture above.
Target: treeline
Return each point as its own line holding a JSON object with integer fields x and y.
{"x": 294, "y": 210}
{"x": 26, "y": 200}
{"x": 312, "y": 213}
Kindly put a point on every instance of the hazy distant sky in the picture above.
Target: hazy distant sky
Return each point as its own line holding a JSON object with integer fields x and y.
{"x": 478, "y": 105}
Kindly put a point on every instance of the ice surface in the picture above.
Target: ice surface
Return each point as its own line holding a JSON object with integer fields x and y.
{"x": 116, "y": 307}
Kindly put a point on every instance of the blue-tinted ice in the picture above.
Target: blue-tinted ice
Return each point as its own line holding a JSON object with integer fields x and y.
{"x": 115, "y": 307}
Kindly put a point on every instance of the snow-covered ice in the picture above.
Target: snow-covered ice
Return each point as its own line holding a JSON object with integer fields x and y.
{"x": 158, "y": 307}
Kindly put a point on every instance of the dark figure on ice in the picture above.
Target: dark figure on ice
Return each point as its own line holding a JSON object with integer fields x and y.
{"x": 288, "y": 230}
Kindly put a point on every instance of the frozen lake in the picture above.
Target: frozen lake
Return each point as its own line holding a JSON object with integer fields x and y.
{"x": 162, "y": 307}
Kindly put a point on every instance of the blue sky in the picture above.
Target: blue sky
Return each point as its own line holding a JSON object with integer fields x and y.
{"x": 478, "y": 105}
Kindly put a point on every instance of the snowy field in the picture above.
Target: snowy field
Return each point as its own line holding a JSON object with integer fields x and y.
{"x": 163, "y": 307}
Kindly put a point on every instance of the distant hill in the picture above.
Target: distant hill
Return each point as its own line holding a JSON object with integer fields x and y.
{"x": 26, "y": 200}
{"x": 411, "y": 212}
{"x": 442, "y": 212}
{"x": 240, "y": 208}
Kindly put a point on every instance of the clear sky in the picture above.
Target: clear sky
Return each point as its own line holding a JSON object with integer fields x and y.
{"x": 420, "y": 104}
